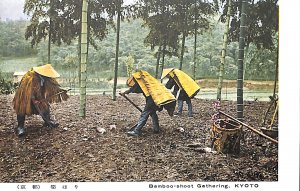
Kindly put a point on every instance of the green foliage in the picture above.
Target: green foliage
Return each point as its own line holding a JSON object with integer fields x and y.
{"x": 261, "y": 64}
{"x": 7, "y": 86}
{"x": 132, "y": 35}
{"x": 262, "y": 21}
{"x": 167, "y": 20}
{"x": 12, "y": 41}
{"x": 65, "y": 19}
{"x": 11, "y": 65}
{"x": 129, "y": 64}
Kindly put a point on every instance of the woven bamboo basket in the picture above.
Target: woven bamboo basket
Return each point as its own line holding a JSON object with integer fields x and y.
{"x": 225, "y": 136}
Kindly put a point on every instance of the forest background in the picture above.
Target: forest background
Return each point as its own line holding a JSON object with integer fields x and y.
{"x": 18, "y": 55}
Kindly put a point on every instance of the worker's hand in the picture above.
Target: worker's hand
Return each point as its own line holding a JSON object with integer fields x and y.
{"x": 35, "y": 102}
{"x": 160, "y": 108}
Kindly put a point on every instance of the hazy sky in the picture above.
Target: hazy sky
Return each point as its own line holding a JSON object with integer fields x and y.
{"x": 13, "y": 9}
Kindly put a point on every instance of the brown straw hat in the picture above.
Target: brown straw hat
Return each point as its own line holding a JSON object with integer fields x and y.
{"x": 46, "y": 70}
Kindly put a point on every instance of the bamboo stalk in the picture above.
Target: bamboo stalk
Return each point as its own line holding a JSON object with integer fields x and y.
{"x": 84, "y": 58}
{"x": 117, "y": 53}
{"x": 251, "y": 128}
{"x": 240, "y": 74}
{"x": 223, "y": 52}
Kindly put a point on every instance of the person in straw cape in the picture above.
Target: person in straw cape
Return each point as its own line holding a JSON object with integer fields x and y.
{"x": 157, "y": 98}
{"x": 37, "y": 89}
{"x": 185, "y": 88}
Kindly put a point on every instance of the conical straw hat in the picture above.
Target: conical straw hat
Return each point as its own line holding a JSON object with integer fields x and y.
{"x": 166, "y": 72}
{"x": 46, "y": 70}
{"x": 130, "y": 82}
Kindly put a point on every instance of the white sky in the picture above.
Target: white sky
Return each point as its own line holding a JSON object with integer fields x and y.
{"x": 12, "y": 9}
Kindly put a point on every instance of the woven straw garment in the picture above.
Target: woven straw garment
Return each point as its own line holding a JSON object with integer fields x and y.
{"x": 152, "y": 87}
{"x": 30, "y": 87}
{"x": 183, "y": 80}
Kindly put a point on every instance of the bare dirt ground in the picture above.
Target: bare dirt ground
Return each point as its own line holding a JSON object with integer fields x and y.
{"x": 76, "y": 151}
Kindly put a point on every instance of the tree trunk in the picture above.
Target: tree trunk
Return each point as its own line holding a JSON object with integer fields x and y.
{"x": 163, "y": 56}
{"x": 49, "y": 43}
{"x": 223, "y": 54}
{"x": 50, "y": 33}
{"x": 182, "y": 51}
{"x": 245, "y": 60}
{"x": 195, "y": 40}
{"x": 195, "y": 54}
{"x": 183, "y": 42}
{"x": 117, "y": 54}
{"x": 79, "y": 61}
{"x": 157, "y": 62}
{"x": 276, "y": 73}
{"x": 84, "y": 58}
{"x": 79, "y": 56}
{"x": 240, "y": 99}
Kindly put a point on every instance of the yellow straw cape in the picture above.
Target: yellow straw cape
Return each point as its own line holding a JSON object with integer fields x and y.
{"x": 30, "y": 87}
{"x": 151, "y": 87}
{"x": 183, "y": 80}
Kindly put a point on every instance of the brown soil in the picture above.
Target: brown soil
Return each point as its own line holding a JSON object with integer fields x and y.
{"x": 76, "y": 152}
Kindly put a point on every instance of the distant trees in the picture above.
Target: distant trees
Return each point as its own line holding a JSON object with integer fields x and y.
{"x": 194, "y": 17}
{"x": 263, "y": 16}
{"x": 262, "y": 29}
{"x": 12, "y": 42}
{"x": 163, "y": 33}
{"x": 260, "y": 62}
{"x": 65, "y": 17}
{"x": 167, "y": 20}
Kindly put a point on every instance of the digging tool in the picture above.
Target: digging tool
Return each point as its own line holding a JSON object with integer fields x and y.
{"x": 274, "y": 115}
{"x": 136, "y": 106}
{"x": 131, "y": 102}
{"x": 46, "y": 99}
{"x": 251, "y": 128}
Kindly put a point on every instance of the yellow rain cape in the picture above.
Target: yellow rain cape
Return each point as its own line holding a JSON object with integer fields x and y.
{"x": 30, "y": 87}
{"x": 183, "y": 80}
{"x": 152, "y": 87}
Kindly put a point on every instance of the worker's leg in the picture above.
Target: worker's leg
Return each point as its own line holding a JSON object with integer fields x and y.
{"x": 180, "y": 106}
{"x": 190, "y": 107}
{"x": 155, "y": 122}
{"x": 20, "y": 128}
